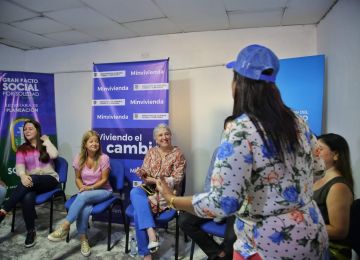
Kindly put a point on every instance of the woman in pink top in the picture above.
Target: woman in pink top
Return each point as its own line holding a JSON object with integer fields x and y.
{"x": 35, "y": 168}
{"x": 92, "y": 169}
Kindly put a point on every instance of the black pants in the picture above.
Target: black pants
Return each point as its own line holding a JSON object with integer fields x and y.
{"x": 41, "y": 184}
{"x": 190, "y": 224}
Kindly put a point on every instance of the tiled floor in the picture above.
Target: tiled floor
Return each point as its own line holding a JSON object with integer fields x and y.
{"x": 12, "y": 244}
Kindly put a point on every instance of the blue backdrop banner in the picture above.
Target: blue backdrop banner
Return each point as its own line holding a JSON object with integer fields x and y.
{"x": 23, "y": 95}
{"x": 301, "y": 83}
{"x": 129, "y": 100}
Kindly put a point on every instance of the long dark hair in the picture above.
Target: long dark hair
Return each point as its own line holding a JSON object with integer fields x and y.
{"x": 44, "y": 156}
{"x": 261, "y": 101}
{"x": 338, "y": 145}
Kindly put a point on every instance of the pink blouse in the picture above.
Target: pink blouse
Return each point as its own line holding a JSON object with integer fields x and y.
{"x": 27, "y": 162}
{"x": 90, "y": 176}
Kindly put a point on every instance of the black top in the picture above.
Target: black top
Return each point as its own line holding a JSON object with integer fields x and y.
{"x": 320, "y": 196}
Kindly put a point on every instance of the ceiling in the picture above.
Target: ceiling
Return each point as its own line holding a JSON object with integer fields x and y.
{"x": 37, "y": 24}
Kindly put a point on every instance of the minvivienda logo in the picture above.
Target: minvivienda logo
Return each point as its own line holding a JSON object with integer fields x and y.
{"x": 158, "y": 101}
{"x": 146, "y": 72}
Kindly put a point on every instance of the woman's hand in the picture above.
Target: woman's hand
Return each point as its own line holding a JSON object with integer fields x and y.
{"x": 150, "y": 180}
{"x": 164, "y": 189}
{"x": 26, "y": 180}
{"x": 85, "y": 188}
{"x": 44, "y": 138}
{"x": 142, "y": 173}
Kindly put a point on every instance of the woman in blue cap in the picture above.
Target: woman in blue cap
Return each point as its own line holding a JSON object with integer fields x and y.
{"x": 264, "y": 169}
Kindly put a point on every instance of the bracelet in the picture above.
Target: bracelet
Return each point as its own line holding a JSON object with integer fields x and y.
{"x": 171, "y": 203}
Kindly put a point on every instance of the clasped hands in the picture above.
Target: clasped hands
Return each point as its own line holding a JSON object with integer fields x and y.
{"x": 85, "y": 188}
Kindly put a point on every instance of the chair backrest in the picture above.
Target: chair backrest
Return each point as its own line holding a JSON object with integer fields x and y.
{"x": 117, "y": 173}
{"x": 61, "y": 167}
{"x": 354, "y": 229}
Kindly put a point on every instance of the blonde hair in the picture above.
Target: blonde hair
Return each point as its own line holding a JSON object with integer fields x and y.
{"x": 83, "y": 151}
{"x": 160, "y": 126}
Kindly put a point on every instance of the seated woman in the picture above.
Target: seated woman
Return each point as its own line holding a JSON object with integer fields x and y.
{"x": 35, "y": 167}
{"x": 92, "y": 169}
{"x": 334, "y": 192}
{"x": 166, "y": 161}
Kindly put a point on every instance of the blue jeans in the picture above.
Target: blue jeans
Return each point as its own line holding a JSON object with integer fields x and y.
{"x": 143, "y": 218}
{"x": 82, "y": 206}
{"x": 2, "y": 194}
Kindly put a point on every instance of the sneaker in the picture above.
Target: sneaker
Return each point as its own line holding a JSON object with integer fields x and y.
{"x": 85, "y": 248}
{"x": 58, "y": 235}
{"x": 30, "y": 238}
{"x": 154, "y": 246}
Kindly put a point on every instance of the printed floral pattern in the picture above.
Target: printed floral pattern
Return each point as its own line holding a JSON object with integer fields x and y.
{"x": 172, "y": 167}
{"x": 272, "y": 199}
{"x": 229, "y": 205}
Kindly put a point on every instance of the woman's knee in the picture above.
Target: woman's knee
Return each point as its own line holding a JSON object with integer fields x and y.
{"x": 136, "y": 192}
{"x": 29, "y": 198}
{"x": 20, "y": 187}
{"x": 81, "y": 196}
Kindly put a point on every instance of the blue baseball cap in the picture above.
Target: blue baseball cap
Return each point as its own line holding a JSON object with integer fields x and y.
{"x": 253, "y": 60}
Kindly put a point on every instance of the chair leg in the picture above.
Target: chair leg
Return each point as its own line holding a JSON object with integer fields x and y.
{"x": 177, "y": 238}
{"x": 13, "y": 220}
{"x": 127, "y": 231}
{"x": 123, "y": 214}
{"x": 192, "y": 250}
{"x": 126, "y": 226}
{"x": 109, "y": 228}
{"x": 186, "y": 238}
{"x": 68, "y": 234}
{"x": 51, "y": 215}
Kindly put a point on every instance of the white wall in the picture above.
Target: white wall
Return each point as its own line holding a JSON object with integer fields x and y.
{"x": 11, "y": 58}
{"x": 200, "y": 96}
{"x": 339, "y": 39}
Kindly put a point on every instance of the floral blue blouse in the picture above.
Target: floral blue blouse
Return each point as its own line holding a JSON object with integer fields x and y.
{"x": 272, "y": 200}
